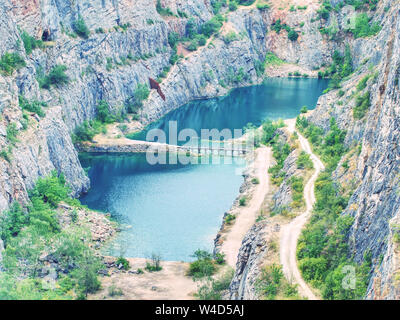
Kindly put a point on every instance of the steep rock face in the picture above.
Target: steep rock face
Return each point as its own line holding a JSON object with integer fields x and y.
{"x": 311, "y": 49}
{"x": 250, "y": 257}
{"x": 44, "y": 147}
{"x": 127, "y": 45}
{"x": 375, "y": 201}
{"x": 283, "y": 197}
{"x": 45, "y": 144}
{"x": 206, "y": 72}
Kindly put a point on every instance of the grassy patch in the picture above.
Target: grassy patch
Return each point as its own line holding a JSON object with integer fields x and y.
{"x": 304, "y": 161}
{"x": 30, "y": 43}
{"x": 34, "y": 106}
{"x": 56, "y": 77}
{"x": 213, "y": 288}
{"x": 11, "y": 61}
{"x": 272, "y": 284}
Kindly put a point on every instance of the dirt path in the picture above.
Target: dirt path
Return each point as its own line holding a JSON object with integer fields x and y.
{"x": 290, "y": 233}
{"x": 249, "y": 213}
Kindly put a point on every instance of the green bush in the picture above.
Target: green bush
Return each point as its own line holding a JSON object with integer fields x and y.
{"x": 277, "y": 26}
{"x": 204, "y": 265}
{"x": 192, "y": 45}
{"x": 325, "y": 9}
{"x": 103, "y": 113}
{"x": 32, "y": 106}
{"x": 242, "y": 201}
{"x": 293, "y": 35}
{"x": 80, "y": 28}
{"x": 304, "y": 161}
{"x": 6, "y": 153}
{"x": 297, "y": 186}
{"x": 11, "y": 133}
{"x": 163, "y": 11}
{"x": 313, "y": 268}
{"x": 269, "y": 130}
{"x": 217, "y": 5}
{"x": 213, "y": 288}
{"x": 51, "y": 189}
{"x": 56, "y": 77}
{"x": 230, "y": 218}
{"x": 263, "y": 6}
{"x": 220, "y": 258}
{"x": 155, "y": 264}
{"x": 212, "y": 26}
{"x": 122, "y": 261}
{"x": 86, "y": 274}
{"x": 230, "y": 37}
{"x": 304, "y": 109}
{"x": 363, "y": 83}
{"x": 201, "y": 40}
{"x": 363, "y": 28}
{"x": 114, "y": 291}
{"x": 140, "y": 94}
{"x": 10, "y": 62}
{"x": 232, "y": 5}
{"x": 191, "y": 28}
{"x": 341, "y": 67}
{"x": 255, "y": 181}
{"x": 30, "y": 43}
{"x": 270, "y": 281}
{"x": 202, "y": 268}
{"x": 87, "y": 130}
{"x": 260, "y": 67}
{"x": 173, "y": 39}
{"x": 363, "y": 103}
{"x": 12, "y": 221}
{"x": 272, "y": 60}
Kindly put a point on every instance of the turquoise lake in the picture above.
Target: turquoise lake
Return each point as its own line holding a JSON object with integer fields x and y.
{"x": 172, "y": 210}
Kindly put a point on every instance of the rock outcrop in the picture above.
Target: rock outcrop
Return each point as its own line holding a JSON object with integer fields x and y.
{"x": 375, "y": 201}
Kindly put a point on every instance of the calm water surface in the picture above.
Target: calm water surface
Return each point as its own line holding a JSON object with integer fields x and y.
{"x": 173, "y": 210}
{"x": 276, "y": 98}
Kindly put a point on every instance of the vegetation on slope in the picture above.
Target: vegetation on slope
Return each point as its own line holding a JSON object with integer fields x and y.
{"x": 11, "y": 61}
{"x": 341, "y": 67}
{"x": 56, "y": 77}
{"x": 32, "y": 235}
{"x": 322, "y": 253}
{"x": 272, "y": 284}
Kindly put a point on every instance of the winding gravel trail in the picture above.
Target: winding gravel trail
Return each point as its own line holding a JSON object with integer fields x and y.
{"x": 290, "y": 233}
{"x": 248, "y": 214}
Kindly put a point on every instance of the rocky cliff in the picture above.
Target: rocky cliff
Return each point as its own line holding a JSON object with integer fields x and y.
{"x": 373, "y": 173}
{"x": 375, "y": 201}
{"x": 128, "y": 43}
